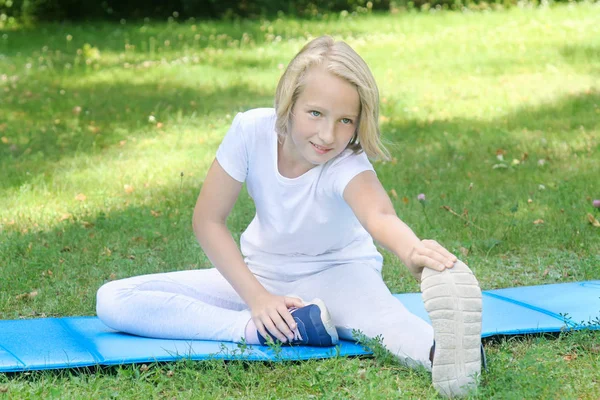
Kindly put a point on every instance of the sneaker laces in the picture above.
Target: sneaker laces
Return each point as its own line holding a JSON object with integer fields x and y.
{"x": 296, "y": 332}
{"x": 297, "y": 335}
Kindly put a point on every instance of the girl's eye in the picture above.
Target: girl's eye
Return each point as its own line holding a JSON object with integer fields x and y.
{"x": 315, "y": 113}
{"x": 346, "y": 121}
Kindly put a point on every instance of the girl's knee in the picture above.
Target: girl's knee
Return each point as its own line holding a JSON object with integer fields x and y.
{"x": 107, "y": 301}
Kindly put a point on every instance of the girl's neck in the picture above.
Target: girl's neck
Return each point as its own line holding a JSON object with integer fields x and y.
{"x": 289, "y": 166}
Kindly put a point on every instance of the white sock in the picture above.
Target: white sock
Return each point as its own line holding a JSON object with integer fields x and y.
{"x": 251, "y": 333}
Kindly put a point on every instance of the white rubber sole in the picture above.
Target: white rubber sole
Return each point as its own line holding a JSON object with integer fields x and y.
{"x": 453, "y": 301}
{"x": 327, "y": 322}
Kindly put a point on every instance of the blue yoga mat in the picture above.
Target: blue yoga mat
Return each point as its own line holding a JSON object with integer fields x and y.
{"x": 52, "y": 343}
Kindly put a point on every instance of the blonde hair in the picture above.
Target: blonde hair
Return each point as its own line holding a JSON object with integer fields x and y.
{"x": 341, "y": 60}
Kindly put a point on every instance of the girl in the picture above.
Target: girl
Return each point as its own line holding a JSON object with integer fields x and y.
{"x": 319, "y": 205}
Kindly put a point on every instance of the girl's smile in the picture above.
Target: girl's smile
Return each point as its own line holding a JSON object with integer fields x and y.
{"x": 320, "y": 149}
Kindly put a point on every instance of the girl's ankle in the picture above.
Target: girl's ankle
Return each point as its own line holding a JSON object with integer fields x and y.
{"x": 251, "y": 334}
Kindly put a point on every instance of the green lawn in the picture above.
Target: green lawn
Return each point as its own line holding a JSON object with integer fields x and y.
{"x": 104, "y": 148}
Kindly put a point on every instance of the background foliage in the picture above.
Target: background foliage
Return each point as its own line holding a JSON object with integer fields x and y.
{"x": 53, "y": 10}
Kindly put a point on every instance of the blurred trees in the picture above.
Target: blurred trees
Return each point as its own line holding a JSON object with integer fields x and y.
{"x": 137, "y": 9}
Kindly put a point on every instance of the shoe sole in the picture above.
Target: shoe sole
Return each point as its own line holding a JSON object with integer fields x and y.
{"x": 453, "y": 301}
{"x": 326, "y": 319}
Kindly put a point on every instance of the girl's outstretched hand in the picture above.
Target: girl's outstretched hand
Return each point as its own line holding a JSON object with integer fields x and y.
{"x": 271, "y": 314}
{"x": 429, "y": 254}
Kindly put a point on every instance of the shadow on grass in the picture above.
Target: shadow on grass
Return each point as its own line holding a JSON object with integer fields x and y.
{"x": 563, "y": 135}
{"x": 90, "y": 248}
{"x": 552, "y": 119}
{"x": 584, "y": 57}
{"x": 157, "y": 39}
{"x": 43, "y": 128}
{"x": 544, "y": 199}
{"x": 187, "y": 36}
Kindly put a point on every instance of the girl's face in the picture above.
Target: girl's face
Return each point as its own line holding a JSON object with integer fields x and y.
{"x": 324, "y": 119}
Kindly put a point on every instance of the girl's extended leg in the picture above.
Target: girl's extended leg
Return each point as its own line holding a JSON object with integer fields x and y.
{"x": 357, "y": 298}
{"x": 197, "y": 304}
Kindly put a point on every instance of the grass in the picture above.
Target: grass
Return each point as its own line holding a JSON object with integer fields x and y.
{"x": 104, "y": 148}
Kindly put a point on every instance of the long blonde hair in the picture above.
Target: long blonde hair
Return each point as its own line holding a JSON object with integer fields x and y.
{"x": 341, "y": 60}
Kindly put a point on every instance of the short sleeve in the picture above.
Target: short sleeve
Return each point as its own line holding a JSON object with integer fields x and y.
{"x": 347, "y": 167}
{"x": 233, "y": 151}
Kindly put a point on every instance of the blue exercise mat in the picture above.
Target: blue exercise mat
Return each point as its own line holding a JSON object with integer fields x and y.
{"x": 52, "y": 343}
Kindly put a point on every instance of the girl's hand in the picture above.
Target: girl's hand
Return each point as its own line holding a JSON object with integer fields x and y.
{"x": 271, "y": 314}
{"x": 429, "y": 254}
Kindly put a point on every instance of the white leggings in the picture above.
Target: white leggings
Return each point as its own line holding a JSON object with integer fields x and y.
{"x": 201, "y": 304}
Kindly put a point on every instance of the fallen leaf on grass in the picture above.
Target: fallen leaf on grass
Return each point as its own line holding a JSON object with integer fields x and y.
{"x": 546, "y": 271}
{"x": 128, "y": 189}
{"x": 64, "y": 217}
{"x": 362, "y": 373}
{"x": 464, "y": 251}
{"x": 569, "y": 357}
{"x": 81, "y": 197}
{"x": 538, "y": 221}
{"x": 393, "y": 193}
{"x": 112, "y": 276}
{"x": 4, "y": 139}
{"x": 593, "y": 221}
{"x": 26, "y": 296}
{"x": 155, "y": 213}
{"x": 3, "y": 389}
{"x": 405, "y": 200}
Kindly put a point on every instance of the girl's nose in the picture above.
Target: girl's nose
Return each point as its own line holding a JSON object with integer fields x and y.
{"x": 327, "y": 135}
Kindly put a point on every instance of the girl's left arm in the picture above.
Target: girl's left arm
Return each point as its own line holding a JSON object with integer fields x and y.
{"x": 373, "y": 208}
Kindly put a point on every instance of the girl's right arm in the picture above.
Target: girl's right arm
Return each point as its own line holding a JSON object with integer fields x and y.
{"x": 217, "y": 197}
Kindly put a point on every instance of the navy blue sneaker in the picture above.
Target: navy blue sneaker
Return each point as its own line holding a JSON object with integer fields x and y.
{"x": 315, "y": 327}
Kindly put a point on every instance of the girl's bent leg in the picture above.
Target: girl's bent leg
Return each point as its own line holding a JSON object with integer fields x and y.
{"x": 197, "y": 304}
{"x": 358, "y": 299}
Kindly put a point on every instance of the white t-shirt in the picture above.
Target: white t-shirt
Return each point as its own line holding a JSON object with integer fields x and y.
{"x": 302, "y": 225}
